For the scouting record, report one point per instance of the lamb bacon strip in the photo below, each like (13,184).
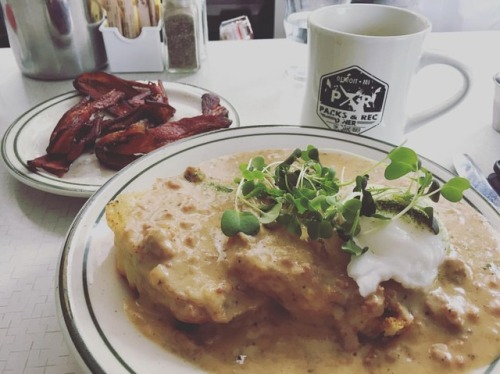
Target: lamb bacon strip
(135,93)
(77,129)
(119,148)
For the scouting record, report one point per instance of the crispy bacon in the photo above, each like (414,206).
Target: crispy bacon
(76,129)
(76,123)
(119,148)
(54,164)
(99,83)
(123,119)
(210,105)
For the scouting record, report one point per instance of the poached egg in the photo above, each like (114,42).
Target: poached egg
(398,249)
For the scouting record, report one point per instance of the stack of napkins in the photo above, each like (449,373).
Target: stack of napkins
(130,16)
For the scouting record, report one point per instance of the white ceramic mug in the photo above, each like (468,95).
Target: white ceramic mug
(362,58)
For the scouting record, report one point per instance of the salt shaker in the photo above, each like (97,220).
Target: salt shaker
(182,29)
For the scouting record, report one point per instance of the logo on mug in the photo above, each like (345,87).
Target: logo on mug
(351,100)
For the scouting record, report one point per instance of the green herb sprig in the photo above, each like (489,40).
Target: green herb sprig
(304,196)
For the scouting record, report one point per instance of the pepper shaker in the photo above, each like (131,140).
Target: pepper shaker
(182,29)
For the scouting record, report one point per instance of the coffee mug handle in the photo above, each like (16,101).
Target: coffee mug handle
(430,58)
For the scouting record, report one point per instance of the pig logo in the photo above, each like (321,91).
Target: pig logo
(351,100)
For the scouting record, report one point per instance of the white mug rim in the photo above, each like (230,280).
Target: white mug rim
(314,21)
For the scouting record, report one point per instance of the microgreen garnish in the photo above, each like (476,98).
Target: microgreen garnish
(405,163)
(236,221)
(305,197)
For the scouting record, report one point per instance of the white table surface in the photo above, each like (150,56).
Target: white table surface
(251,76)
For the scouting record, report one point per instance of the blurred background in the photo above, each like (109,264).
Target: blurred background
(266,16)
(4,41)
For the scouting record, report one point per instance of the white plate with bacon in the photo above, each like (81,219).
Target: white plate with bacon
(29,136)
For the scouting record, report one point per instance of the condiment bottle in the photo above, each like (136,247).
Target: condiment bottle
(494,178)
(182,29)
(203,19)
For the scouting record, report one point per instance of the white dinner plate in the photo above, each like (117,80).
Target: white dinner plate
(90,292)
(28,138)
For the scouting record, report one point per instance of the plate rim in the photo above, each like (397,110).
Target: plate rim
(115,185)
(48,183)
